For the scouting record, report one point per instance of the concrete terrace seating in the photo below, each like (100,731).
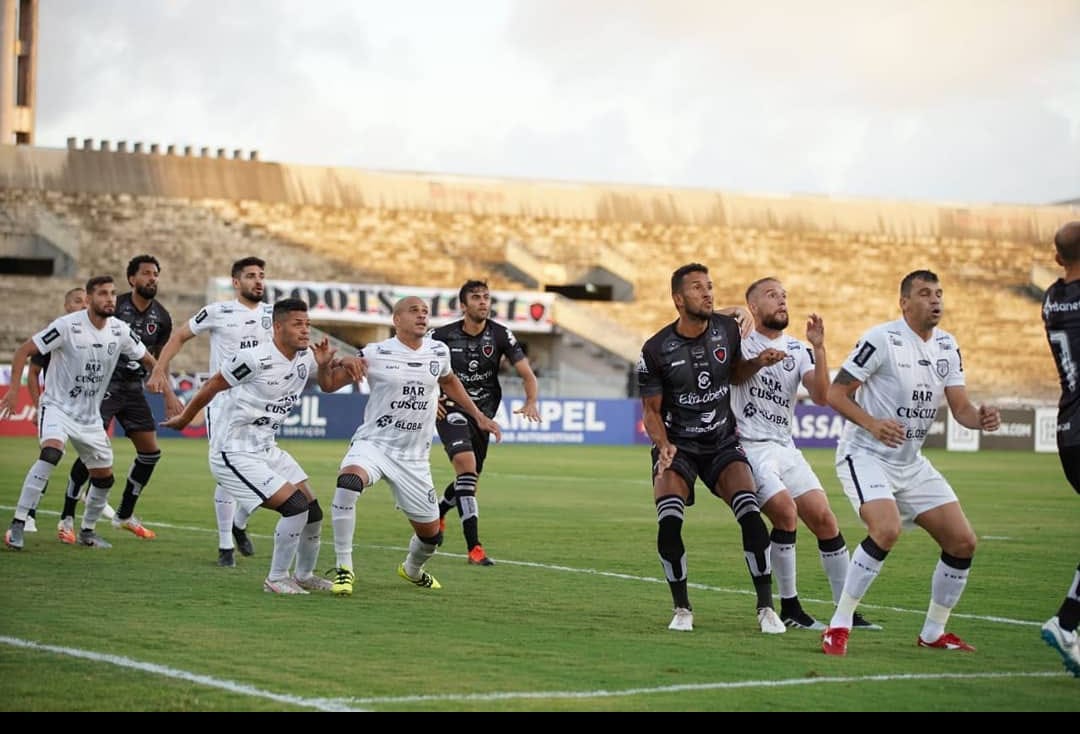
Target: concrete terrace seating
(850,278)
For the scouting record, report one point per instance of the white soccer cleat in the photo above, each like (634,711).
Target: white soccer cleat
(683,621)
(282,586)
(1065,642)
(313,583)
(770,622)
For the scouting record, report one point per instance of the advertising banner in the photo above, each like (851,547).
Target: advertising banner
(610,422)
(524,311)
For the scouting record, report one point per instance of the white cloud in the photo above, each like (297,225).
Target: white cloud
(964,100)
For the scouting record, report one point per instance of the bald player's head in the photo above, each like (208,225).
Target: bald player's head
(75,300)
(1067,243)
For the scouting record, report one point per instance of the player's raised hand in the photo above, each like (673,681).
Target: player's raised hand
(323,352)
(530,410)
(815,330)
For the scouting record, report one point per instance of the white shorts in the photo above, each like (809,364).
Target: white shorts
(409,479)
(90,440)
(250,477)
(916,487)
(777,467)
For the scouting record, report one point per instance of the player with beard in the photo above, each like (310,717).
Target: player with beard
(86,346)
(787,488)
(889,390)
(125,400)
(241,323)
(477,345)
(685,374)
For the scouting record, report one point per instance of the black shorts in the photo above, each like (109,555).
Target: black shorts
(1070,462)
(127,403)
(690,465)
(459,433)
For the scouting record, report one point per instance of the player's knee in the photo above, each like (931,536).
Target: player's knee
(435,540)
(51,455)
(314,512)
(782,537)
(831,545)
(744,504)
(148,457)
(350,481)
(103,482)
(296,504)
(960,563)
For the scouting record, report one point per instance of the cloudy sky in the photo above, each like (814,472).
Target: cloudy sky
(942,100)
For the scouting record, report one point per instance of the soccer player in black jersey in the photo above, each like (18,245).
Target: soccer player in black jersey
(1061,317)
(685,374)
(125,399)
(477,346)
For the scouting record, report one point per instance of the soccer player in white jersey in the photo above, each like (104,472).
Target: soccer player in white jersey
(85,347)
(259,386)
(393,442)
(787,488)
(232,325)
(889,389)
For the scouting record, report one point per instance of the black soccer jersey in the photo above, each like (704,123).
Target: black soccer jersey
(1061,317)
(694,378)
(152,326)
(475,359)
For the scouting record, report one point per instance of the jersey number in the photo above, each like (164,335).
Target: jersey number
(1059,342)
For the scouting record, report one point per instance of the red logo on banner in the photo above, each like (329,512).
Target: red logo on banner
(536,310)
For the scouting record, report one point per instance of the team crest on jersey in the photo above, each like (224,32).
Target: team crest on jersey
(721,354)
(433,366)
(789,363)
(301,371)
(266,322)
(112,348)
(942,367)
(488,350)
(151,328)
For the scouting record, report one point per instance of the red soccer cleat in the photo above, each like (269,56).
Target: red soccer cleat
(947,641)
(834,640)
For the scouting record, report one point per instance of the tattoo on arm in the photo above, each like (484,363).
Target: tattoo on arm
(843,377)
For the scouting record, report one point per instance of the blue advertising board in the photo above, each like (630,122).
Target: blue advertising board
(610,422)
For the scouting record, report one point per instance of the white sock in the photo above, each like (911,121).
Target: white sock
(224,510)
(945,589)
(783,568)
(419,553)
(33,485)
(862,570)
(286,539)
(343,518)
(835,564)
(307,554)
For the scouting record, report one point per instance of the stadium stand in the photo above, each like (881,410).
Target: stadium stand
(88,211)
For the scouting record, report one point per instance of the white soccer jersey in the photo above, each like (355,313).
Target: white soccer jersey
(764,405)
(233,326)
(904,378)
(400,412)
(82,362)
(265,387)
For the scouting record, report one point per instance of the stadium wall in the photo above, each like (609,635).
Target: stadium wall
(197,177)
